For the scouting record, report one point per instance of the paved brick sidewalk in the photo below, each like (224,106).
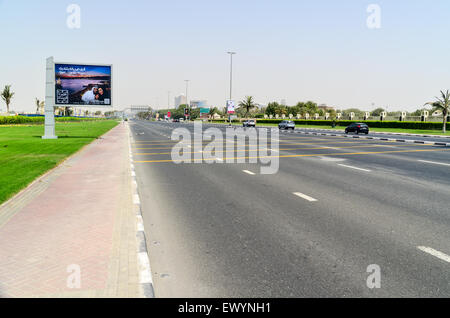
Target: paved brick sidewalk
(80,215)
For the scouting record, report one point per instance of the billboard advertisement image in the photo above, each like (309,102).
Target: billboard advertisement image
(230,107)
(82,85)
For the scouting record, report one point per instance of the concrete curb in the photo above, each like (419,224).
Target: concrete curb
(384,133)
(145,272)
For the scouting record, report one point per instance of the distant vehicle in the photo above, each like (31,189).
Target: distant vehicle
(176,120)
(286,124)
(249,123)
(357,128)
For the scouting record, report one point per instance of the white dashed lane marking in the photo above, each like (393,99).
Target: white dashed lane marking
(304,196)
(435,253)
(356,168)
(435,163)
(249,172)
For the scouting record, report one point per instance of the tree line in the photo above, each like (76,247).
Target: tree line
(247,107)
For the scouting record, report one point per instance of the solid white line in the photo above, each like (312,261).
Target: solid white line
(136,199)
(435,253)
(219,159)
(304,196)
(133,174)
(356,168)
(436,163)
(248,172)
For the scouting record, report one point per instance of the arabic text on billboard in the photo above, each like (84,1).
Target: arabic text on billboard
(82,85)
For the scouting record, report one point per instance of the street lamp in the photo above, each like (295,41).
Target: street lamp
(187,103)
(168,100)
(231,79)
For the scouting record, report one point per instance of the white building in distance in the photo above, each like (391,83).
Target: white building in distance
(180,100)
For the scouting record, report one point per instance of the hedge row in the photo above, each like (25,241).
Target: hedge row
(15,120)
(370,123)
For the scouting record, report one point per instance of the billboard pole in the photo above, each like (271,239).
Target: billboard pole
(50,100)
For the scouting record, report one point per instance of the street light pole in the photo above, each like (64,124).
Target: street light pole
(231,79)
(187,103)
(168,100)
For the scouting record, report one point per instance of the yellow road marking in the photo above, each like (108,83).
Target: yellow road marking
(162,143)
(310,155)
(291,144)
(285,149)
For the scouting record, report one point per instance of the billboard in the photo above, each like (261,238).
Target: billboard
(230,107)
(82,85)
(199,104)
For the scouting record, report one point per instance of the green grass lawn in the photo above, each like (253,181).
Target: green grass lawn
(24,156)
(394,130)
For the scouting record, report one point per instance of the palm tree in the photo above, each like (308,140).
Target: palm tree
(248,104)
(442,104)
(7,95)
(39,105)
(212,111)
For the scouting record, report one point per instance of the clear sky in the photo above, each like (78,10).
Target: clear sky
(320,50)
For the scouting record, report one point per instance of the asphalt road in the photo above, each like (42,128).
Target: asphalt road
(336,206)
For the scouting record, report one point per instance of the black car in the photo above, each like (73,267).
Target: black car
(249,123)
(357,128)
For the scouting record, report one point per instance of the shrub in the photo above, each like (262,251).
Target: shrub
(16,120)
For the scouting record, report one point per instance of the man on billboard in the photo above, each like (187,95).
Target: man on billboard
(89,96)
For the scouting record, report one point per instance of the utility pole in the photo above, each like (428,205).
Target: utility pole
(187,103)
(231,80)
(168,100)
